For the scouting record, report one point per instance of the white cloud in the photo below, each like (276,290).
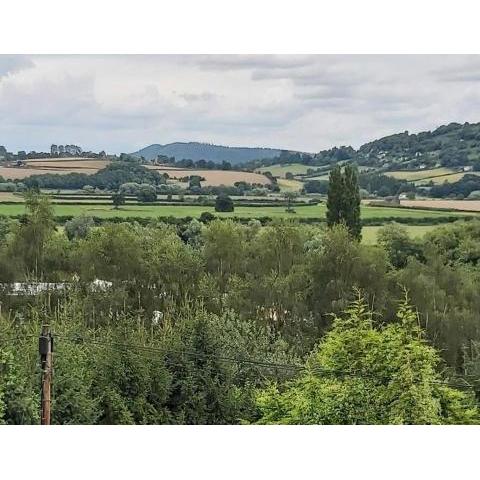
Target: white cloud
(13,63)
(305,102)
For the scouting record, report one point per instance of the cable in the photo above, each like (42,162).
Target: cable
(245,361)
(298,368)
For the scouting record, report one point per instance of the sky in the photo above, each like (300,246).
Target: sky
(120,103)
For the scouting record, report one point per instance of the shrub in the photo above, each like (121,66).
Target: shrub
(78,227)
(224,203)
(206,217)
(7,187)
(146,193)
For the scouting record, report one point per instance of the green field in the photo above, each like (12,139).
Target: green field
(369,233)
(289,185)
(435,175)
(452,178)
(313,211)
(412,176)
(319,177)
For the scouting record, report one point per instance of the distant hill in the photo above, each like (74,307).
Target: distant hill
(452,146)
(203,151)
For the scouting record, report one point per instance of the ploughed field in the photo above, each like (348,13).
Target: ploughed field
(463,205)
(61,166)
(90,166)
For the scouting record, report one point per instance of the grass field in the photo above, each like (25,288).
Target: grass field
(435,175)
(289,185)
(325,176)
(452,178)
(412,176)
(10,197)
(309,211)
(369,233)
(281,170)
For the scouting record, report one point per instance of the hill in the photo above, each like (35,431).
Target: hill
(204,151)
(454,145)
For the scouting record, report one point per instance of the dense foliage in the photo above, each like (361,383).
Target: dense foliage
(363,372)
(450,145)
(220,322)
(224,203)
(111,178)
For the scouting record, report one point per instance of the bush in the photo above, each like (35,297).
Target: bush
(146,193)
(224,203)
(475,195)
(118,199)
(8,187)
(206,217)
(78,227)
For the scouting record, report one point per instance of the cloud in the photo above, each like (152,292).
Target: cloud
(10,64)
(247,62)
(461,68)
(305,102)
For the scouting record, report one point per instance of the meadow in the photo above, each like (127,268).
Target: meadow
(436,176)
(179,211)
(289,185)
(414,175)
(369,233)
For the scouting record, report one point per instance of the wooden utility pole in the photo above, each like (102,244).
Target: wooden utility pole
(45,348)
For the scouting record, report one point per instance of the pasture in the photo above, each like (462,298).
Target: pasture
(435,175)
(413,175)
(369,233)
(151,211)
(289,185)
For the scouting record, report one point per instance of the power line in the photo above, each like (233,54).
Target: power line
(244,360)
(141,350)
(253,362)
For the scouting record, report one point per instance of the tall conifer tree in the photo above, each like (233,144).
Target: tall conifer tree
(343,202)
(352,202)
(335,199)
